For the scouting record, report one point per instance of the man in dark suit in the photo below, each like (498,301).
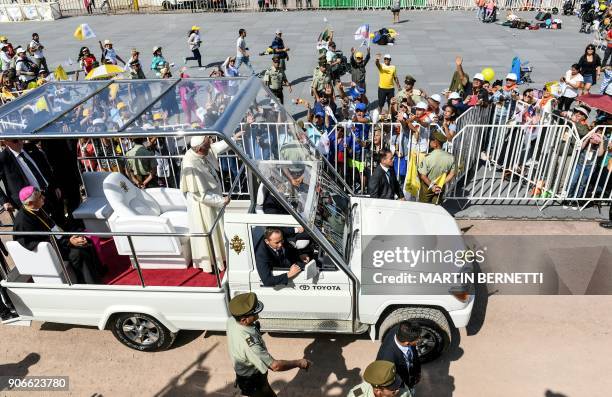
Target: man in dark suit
(272,253)
(76,249)
(383,182)
(18,169)
(399,347)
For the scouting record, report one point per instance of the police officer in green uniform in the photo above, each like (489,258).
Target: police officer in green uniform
(381,380)
(275,78)
(436,170)
(248,351)
(320,78)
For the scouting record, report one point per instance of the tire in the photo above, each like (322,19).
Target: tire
(435,330)
(141,332)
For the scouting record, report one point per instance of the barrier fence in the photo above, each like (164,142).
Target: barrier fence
(84,7)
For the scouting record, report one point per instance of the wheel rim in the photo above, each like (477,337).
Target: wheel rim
(427,341)
(141,330)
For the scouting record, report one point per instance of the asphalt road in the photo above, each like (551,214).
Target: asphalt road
(550,346)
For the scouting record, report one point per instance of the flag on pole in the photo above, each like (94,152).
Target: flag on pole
(60,73)
(84,32)
(363,32)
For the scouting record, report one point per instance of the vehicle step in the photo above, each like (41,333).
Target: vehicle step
(18,322)
(293,325)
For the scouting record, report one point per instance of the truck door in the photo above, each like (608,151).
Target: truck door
(324,297)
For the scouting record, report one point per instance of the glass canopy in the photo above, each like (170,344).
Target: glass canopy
(262,133)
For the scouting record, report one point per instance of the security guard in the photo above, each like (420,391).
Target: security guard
(248,350)
(321,76)
(436,170)
(381,380)
(275,78)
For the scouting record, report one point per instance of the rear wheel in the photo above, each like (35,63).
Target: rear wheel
(435,330)
(141,332)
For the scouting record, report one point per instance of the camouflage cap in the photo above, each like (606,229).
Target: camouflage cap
(382,374)
(245,305)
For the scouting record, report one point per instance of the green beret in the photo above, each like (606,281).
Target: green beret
(245,305)
(438,136)
(382,374)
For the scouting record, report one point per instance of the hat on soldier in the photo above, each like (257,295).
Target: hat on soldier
(245,305)
(276,57)
(382,374)
(439,136)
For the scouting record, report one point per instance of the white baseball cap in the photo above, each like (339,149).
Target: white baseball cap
(511,76)
(421,105)
(97,121)
(107,41)
(436,97)
(454,95)
(20,50)
(278,31)
(479,76)
(196,140)
(387,56)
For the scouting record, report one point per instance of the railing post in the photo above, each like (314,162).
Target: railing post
(136,261)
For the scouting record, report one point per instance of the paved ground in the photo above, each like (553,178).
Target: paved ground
(426,47)
(549,346)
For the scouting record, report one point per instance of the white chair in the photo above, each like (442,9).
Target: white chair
(95,210)
(157,210)
(42,264)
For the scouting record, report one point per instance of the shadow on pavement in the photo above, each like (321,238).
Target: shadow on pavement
(191,381)
(63,327)
(185,337)
(435,375)
(301,80)
(326,354)
(550,393)
(20,369)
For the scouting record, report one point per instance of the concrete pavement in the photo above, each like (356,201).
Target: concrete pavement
(549,346)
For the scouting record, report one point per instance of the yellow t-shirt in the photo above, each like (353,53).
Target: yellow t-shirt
(386,75)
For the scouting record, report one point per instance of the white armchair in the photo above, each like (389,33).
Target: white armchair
(157,210)
(95,210)
(42,264)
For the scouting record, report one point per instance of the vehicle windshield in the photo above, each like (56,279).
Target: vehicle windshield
(281,151)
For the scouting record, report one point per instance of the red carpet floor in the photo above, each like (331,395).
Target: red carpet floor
(120,272)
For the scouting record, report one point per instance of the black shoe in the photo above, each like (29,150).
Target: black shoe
(606,225)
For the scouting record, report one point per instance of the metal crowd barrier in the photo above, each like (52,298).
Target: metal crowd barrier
(85,7)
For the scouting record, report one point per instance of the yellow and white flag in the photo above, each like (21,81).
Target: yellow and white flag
(60,73)
(84,32)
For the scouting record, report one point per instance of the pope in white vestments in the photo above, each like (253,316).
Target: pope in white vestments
(201,183)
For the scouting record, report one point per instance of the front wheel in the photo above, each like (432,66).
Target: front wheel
(435,331)
(141,332)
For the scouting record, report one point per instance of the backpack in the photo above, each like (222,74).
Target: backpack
(382,37)
(542,16)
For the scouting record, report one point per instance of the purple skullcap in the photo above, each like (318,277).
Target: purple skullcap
(26,193)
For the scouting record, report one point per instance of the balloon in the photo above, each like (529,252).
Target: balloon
(488,73)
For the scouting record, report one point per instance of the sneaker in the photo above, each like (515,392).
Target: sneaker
(202,68)
(184,61)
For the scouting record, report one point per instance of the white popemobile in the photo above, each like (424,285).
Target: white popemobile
(143,236)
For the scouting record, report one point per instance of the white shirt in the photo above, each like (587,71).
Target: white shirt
(6,60)
(194,41)
(111,55)
(571,92)
(240,45)
(26,169)
(406,352)
(38,53)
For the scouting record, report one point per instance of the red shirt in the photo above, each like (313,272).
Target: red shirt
(609,38)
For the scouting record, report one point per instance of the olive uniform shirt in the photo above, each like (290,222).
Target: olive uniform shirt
(274,78)
(319,80)
(247,349)
(365,390)
(140,166)
(436,163)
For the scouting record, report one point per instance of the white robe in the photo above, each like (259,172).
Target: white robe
(203,188)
